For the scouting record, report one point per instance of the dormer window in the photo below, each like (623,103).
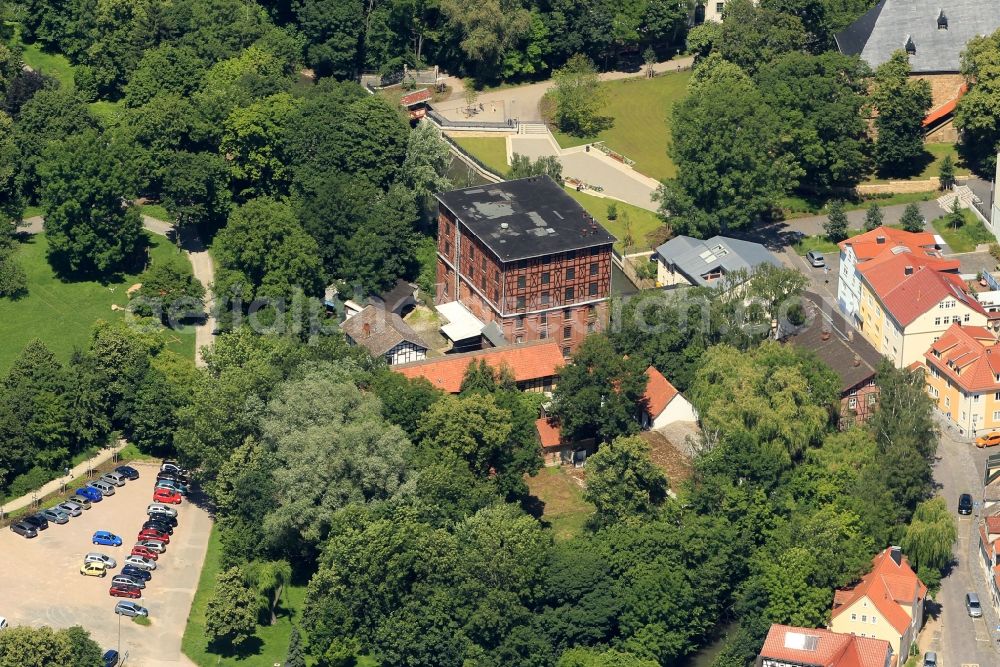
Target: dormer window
(942,21)
(911,48)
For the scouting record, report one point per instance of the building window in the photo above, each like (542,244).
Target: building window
(543,334)
(975,398)
(482,263)
(854,617)
(593,268)
(592,289)
(996,415)
(966,318)
(519,339)
(871,400)
(482,283)
(545,278)
(852,403)
(472,253)
(864,618)
(519,322)
(947,401)
(543,319)
(545,298)
(447,247)
(937,321)
(567,332)
(591,327)
(874,619)
(520,282)
(719,6)
(570,273)
(569,294)
(520,302)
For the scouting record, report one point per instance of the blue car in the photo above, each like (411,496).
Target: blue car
(90,493)
(110,658)
(136,573)
(107,539)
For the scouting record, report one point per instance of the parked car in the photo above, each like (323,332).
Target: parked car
(160,508)
(128,471)
(816,259)
(3,623)
(24,529)
(157,524)
(103,487)
(136,572)
(139,561)
(172,466)
(121,591)
(139,550)
(114,478)
(93,569)
(164,519)
(126,580)
(71,508)
(989,439)
(106,538)
(972,605)
(110,658)
(153,534)
(930,659)
(90,493)
(167,496)
(37,520)
(175,476)
(172,485)
(82,501)
(965,503)
(126,608)
(56,516)
(153,545)
(95,557)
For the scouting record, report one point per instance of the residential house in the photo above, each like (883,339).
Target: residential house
(887,603)
(787,646)
(708,10)
(526,256)
(933,33)
(963,378)
(384,334)
(989,554)
(684,260)
(866,247)
(832,339)
(991,483)
(533,365)
(908,301)
(663,404)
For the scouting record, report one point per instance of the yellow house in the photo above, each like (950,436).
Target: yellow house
(907,302)
(963,378)
(887,603)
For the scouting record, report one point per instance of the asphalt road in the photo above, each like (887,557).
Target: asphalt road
(963,641)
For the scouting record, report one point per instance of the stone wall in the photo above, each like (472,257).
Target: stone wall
(944,87)
(899,187)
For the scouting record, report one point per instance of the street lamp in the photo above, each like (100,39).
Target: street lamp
(119,634)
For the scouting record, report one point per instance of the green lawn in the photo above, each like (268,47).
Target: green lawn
(62,314)
(270,643)
(106,111)
(794,206)
(641,111)
(156,211)
(565,511)
(491,151)
(55,65)
(965,238)
(934,155)
(644,223)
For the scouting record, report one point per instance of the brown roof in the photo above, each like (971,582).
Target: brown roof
(967,357)
(531,361)
(659,392)
(416,97)
(872,244)
(822,648)
(549,433)
(378,331)
(889,586)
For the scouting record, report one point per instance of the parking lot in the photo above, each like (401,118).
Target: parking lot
(41,582)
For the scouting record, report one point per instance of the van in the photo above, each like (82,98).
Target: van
(972,605)
(103,487)
(115,478)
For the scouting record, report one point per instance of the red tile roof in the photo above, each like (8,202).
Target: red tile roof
(945,109)
(659,392)
(532,361)
(415,97)
(967,357)
(993,524)
(822,648)
(889,587)
(549,433)
(911,296)
(872,244)
(889,268)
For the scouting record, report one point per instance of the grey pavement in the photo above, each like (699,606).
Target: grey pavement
(813,225)
(963,640)
(975,262)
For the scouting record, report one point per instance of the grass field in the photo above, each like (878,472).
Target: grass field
(966,237)
(565,511)
(934,155)
(641,110)
(644,223)
(491,151)
(793,206)
(55,65)
(62,314)
(156,211)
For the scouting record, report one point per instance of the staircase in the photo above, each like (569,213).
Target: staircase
(962,193)
(532,128)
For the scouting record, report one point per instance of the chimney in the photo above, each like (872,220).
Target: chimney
(366,329)
(896,554)
(942,21)
(880,239)
(825,335)
(908,271)
(857,360)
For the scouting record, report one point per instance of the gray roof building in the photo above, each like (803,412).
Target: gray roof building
(704,262)
(934,32)
(379,331)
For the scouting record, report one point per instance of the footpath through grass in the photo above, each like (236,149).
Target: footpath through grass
(965,238)
(641,109)
(644,224)
(62,314)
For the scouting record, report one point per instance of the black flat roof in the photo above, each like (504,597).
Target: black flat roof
(525,218)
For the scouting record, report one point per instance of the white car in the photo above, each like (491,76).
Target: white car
(94,557)
(160,508)
(140,562)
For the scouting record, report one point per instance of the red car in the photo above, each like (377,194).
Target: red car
(144,552)
(166,496)
(121,591)
(153,534)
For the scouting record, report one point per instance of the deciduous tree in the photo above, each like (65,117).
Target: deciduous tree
(902,103)
(579,98)
(836,222)
(623,483)
(231,614)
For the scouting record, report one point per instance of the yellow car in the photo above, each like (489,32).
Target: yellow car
(94,569)
(988,440)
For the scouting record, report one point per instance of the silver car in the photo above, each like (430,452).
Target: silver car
(95,557)
(55,515)
(113,478)
(141,563)
(816,258)
(153,545)
(125,580)
(104,487)
(129,608)
(81,501)
(70,508)
(160,508)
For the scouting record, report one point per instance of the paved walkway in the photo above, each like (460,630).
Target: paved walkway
(56,484)
(201,266)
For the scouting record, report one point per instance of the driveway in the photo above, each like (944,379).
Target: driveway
(42,585)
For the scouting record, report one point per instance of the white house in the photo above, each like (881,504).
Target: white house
(663,404)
